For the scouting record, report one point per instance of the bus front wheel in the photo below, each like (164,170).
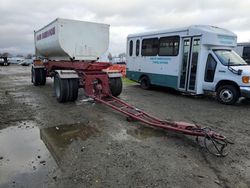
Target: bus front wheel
(227,94)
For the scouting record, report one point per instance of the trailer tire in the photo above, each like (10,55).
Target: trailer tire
(73,89)
(38,76)
(42,73)
(227,94)
(35,77)
(115,85)
(145,83)
(61,87)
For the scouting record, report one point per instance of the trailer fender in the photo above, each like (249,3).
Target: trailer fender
(114,74)
(37,66)
(67,74)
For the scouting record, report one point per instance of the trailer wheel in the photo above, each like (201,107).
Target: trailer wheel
(61,88)
(227,94)
(35,77)
(42,73)
(73,89)
(145,82)
(115,85)
(38,76)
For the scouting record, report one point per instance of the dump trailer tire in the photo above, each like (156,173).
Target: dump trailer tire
(61,87)
(227,94)
(35,77)
(42,73)
(38,76)
(73,89)
(115,85)
(145,83)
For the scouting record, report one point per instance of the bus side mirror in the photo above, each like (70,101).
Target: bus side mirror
(239,72)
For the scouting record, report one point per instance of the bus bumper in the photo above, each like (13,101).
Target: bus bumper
(245,92)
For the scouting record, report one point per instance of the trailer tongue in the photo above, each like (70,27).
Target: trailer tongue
(218,142)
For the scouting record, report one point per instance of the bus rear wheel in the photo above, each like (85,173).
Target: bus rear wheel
(227,94)
(145,82)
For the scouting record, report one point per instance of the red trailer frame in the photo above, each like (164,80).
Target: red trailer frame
(96,85)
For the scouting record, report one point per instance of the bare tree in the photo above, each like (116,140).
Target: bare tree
(29,56)
(110,56)
(122,55)
(5,54)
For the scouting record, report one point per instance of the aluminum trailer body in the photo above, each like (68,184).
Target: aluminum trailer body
(65,39)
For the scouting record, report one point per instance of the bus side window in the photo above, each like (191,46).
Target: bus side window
(131,48)
(169,46)
(246,54)
(210,69)
(137,47)
(149,47)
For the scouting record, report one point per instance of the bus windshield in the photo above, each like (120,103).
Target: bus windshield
(229,58)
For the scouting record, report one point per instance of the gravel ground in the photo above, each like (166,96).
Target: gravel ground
(83,144)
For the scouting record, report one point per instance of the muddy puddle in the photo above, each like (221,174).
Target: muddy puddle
(138,134)
(29,156)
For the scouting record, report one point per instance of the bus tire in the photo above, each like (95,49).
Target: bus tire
(227,94)
(145,82)
(61,88)
(115,85)
(73,89)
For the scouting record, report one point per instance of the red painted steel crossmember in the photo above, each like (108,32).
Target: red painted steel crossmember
(94,81)
(75,65)
(219,142)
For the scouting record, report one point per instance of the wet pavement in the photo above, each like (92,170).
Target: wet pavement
(25,160)
(85,144)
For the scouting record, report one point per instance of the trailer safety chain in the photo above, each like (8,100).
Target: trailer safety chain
(217,146)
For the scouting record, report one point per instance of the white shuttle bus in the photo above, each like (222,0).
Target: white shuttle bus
(192,60)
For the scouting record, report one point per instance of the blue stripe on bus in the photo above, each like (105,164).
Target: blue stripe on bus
(155,79)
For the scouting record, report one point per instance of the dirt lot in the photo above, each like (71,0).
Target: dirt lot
(82,144)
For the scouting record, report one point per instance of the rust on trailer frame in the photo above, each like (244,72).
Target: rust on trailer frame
(95,82)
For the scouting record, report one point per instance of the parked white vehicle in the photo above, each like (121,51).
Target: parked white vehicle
(243,49)
(192,60)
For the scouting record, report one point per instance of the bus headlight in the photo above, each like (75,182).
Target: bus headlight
(245,79)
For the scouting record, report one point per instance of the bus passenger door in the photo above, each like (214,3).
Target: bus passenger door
(188,71)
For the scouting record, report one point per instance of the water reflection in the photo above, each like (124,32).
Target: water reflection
(29,156)
(58,138)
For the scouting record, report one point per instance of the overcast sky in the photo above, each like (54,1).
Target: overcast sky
(20,17)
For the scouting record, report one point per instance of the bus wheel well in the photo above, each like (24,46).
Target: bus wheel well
(227,82)
(142,76)
(145,82)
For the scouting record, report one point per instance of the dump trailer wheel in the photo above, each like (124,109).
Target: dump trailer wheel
(227,94)
(38,76)
(61,87)
(42,73)
(115,85)
(145,83)
(73,89)
(35,76)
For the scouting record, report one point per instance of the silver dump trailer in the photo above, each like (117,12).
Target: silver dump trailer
(65,39)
